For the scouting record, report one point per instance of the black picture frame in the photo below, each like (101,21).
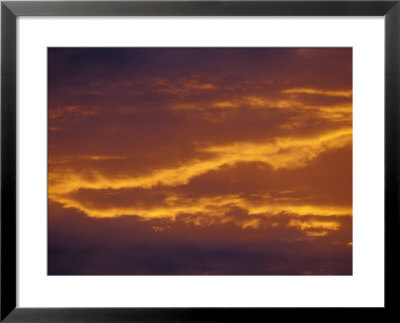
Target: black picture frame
(10,10)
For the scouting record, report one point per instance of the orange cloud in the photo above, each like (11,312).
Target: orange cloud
(279,153)
(94,157)
(315,227)
(216,208)
(253,102)
(72,110)
(346,94)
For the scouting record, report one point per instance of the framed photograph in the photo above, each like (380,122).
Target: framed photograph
(198,160)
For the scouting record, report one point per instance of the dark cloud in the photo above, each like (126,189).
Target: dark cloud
(79,245)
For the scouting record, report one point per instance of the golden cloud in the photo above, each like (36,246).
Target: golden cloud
(346,94)
(279,153)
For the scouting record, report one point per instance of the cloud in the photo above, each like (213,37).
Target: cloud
(346,94)
(79,245)
(73,111)
(281,153)
(200,160)
(171,206)
(102,157)
(321,190)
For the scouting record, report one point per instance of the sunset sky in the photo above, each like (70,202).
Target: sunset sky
(200,161)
